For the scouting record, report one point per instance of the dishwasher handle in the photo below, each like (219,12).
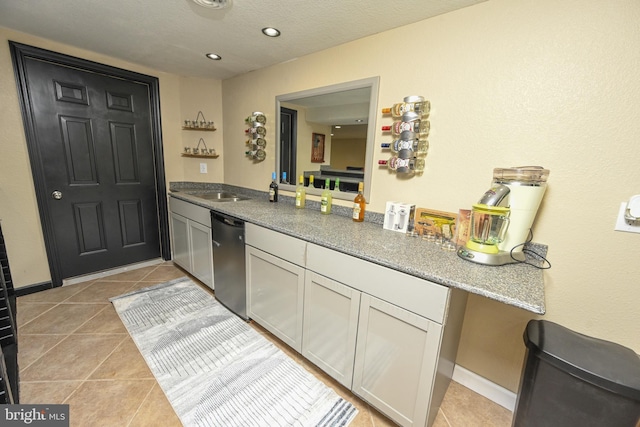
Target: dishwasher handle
(227,220)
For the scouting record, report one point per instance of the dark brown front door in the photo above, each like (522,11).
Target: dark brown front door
(94,141)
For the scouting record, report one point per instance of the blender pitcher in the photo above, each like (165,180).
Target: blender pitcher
(488,227)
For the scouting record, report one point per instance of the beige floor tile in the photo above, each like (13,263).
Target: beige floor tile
(106,321)
(107,402)
(32,347)
(27,311)
(59,294)
(463,407)
(101,291)
(440,421)
(47,392)
(164,273)
(156,411)
(62,319)
(125,362)
(74,358)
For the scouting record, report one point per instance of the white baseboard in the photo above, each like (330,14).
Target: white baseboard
(484,387)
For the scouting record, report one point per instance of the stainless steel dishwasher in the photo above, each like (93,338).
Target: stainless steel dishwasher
(228,263)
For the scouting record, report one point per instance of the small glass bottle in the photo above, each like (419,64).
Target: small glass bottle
(336,185)
(284,178)
(408,141)
(412,165)
(397,110)
(256,117)
(301,193)
(273,188)
(326,198)
(359,204)
(256,130)
(409,122)
(311,184)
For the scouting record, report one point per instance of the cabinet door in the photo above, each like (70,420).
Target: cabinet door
(330,326)
(276,290)
(395,361)
(180,240)
(201,253)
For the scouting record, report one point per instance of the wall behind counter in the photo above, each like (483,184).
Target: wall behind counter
(511,83)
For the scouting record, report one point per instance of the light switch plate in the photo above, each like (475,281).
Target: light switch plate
(203,168)
(622,225)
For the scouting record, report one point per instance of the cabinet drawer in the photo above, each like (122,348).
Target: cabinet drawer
(409,292)
(191,211)
(278,244)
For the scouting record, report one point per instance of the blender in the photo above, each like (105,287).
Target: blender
(501,220)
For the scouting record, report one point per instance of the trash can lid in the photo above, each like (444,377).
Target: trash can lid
(602,363)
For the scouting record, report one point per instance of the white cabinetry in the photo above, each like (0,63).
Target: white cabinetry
(395,360)
(275,283)
(330,326)
(191,239)
(390,337)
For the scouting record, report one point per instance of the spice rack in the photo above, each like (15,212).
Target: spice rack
(256,133)
(410,130)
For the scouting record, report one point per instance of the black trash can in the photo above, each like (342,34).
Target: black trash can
(570,379)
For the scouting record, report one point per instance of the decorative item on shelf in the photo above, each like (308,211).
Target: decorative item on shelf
(256,133)
(410,130)
(198,151)
(200,123)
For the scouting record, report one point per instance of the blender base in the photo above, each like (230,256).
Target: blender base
(501,258)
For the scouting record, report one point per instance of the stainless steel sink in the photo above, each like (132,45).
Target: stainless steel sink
(221,196)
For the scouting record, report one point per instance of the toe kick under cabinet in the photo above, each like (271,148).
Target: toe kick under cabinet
(389,337)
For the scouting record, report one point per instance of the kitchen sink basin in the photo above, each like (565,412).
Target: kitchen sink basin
(221,196)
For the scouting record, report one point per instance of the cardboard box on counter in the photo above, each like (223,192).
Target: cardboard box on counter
(398,216)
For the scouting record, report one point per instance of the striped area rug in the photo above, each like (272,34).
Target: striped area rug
(218,371)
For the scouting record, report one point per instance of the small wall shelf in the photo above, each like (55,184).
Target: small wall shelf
(205,156)
(198,128)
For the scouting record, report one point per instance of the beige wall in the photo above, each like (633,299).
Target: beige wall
(180,98)
(511,82)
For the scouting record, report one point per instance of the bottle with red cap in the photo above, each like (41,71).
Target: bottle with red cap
(412,165)
(408,141)
(411,122)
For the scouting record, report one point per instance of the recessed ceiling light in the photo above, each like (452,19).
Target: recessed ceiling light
(214,56)
(213,4)
(338,127)
(271,32)
(359,120)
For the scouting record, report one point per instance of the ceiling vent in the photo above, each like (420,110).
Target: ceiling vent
(213,4)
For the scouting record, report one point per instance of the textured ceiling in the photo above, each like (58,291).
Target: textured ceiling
(174,35)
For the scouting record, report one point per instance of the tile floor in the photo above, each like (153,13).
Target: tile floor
(75,350)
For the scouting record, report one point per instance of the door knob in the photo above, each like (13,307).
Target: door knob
(57,195)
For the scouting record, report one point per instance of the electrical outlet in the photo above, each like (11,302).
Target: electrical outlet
(203,168)
(623,225)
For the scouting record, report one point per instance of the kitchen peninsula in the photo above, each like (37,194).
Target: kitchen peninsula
(517,285)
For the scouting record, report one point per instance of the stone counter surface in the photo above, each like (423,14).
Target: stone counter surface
(518,285)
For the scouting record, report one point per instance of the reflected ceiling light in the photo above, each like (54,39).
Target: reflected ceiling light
(271,32)
(213,4)
(214,56)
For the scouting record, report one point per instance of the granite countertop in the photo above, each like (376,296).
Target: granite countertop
(518,285)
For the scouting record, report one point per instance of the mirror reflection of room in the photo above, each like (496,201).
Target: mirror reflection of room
(326,136)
